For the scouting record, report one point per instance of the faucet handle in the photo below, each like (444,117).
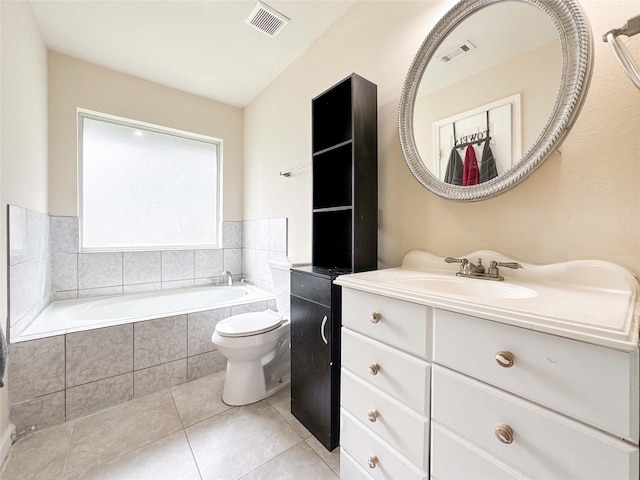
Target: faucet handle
(514,265)
(456,260)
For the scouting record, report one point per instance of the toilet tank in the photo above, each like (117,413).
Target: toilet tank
(280,273)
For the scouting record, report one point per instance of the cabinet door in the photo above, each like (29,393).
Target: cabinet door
(311,361)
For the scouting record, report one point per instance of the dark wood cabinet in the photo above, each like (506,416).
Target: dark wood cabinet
(344,240)
(315,351)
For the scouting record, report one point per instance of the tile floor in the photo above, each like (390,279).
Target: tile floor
(184,432)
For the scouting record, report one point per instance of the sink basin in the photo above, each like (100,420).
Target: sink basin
(468,287)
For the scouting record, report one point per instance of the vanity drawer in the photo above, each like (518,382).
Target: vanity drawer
(404,430)
(544,443)
(401,324)
(594,384)
(349,468)
(402,376)
(452,459)
(372,454)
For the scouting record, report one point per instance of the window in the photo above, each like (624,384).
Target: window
(144,187)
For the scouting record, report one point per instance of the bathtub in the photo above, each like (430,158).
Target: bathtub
(67,316)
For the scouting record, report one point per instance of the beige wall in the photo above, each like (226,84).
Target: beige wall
(582,203)
(23,117)
(74,83)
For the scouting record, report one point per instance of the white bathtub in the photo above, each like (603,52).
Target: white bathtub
(67,316)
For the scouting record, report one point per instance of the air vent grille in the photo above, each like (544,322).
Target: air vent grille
(266,19)
(457,51)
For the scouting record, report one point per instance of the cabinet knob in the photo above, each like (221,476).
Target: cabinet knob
(505,359)
(375,317)
(372,461)
(504,433)
(374,368)
(373,415)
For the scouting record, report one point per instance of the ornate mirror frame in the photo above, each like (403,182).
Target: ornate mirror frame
(577,64)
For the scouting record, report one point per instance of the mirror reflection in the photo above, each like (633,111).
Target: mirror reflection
(487,93)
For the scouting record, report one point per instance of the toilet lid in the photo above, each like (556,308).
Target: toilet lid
(247,324)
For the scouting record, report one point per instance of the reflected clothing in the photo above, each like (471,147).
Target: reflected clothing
(470,171)
(488,169)
(453,174)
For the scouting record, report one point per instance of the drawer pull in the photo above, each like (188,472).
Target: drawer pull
(373,415)
(504,433)
(374,368)
(322,327)
(505,359)
(375,317)
(372,461)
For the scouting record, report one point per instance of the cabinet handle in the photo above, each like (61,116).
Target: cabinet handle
(324,336)
(374,368)
(372,461)
(505,359)
(504,433)
(375,317)
(373,415)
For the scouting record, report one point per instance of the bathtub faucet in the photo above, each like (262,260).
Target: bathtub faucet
(227,274)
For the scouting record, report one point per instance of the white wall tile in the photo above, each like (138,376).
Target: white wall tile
(100,291)
(232,234)
(233,260)
(38,237)
(209,263)
(142,287)
(249,234)
(17,235)
(64,271)
(262,235)
(177,265)
(99,270)
(278,235)
(178,284)
(64,234)
(142,267)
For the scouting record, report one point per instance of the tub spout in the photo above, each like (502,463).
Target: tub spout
(227,274)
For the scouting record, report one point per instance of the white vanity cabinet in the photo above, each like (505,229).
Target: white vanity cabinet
(385,387)
(430,390)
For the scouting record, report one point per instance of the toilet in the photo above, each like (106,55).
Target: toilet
(256,346)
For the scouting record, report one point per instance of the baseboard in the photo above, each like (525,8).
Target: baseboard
(5,441)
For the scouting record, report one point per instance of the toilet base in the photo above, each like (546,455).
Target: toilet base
(243,385)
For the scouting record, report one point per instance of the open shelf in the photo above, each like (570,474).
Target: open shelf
(333,244)
(333,177)
(331,114)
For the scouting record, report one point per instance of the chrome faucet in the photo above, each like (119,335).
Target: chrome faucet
(469,269)
(227,274)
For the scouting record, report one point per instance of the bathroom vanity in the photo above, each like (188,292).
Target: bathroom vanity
(535,376)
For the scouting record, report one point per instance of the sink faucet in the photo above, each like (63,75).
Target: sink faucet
(227,274)
(469,269)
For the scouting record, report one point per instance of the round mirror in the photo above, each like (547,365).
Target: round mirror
(492,92)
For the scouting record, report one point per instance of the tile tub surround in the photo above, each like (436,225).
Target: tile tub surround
(29,264)
(63,377)
(171,434)
(263,241)
(80,275)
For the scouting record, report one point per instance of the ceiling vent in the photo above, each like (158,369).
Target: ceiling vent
(266,19)
(457,51)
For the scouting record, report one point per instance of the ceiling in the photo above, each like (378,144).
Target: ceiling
(200,47)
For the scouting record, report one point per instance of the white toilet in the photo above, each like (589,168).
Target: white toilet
(257,347)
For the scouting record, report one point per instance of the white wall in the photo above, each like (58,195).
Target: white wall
(23,150)
(583,203)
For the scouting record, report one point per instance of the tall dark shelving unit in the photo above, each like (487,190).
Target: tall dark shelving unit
(344,240)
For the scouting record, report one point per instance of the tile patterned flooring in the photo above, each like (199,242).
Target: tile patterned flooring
(184,432)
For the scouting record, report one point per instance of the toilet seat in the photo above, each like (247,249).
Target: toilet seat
(248,324)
